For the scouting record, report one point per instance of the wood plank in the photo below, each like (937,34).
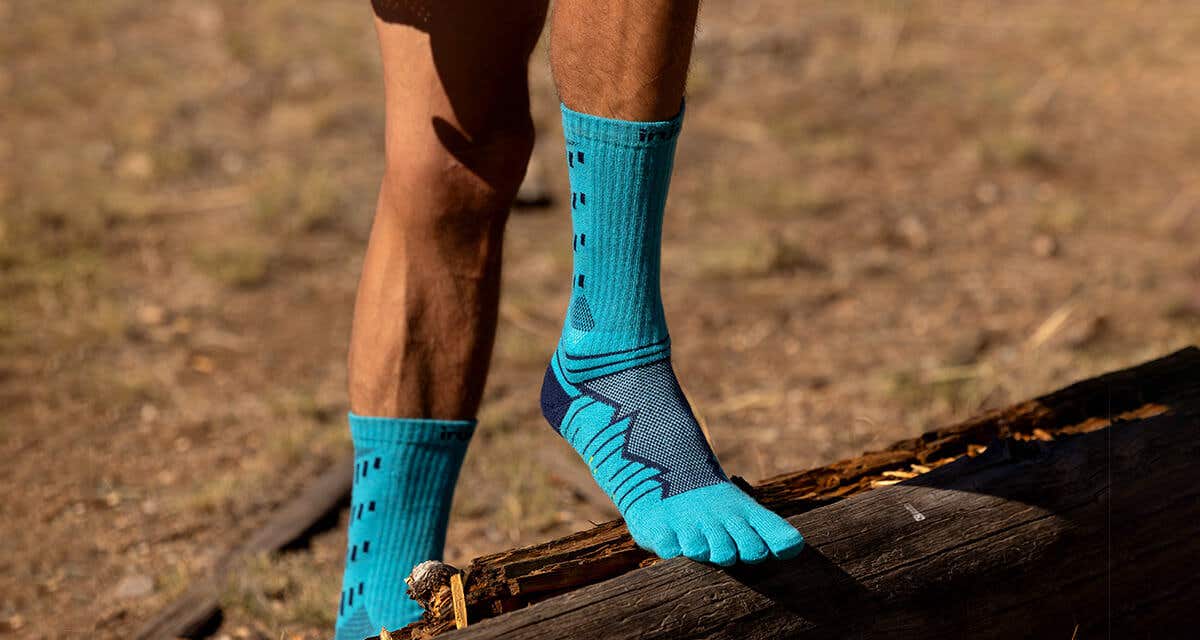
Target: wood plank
(191,613)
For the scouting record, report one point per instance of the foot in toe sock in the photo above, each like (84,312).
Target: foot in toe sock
(610,389)
(645,449)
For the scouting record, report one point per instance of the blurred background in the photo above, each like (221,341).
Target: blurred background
(886,216)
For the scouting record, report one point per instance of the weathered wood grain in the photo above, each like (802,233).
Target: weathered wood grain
(1096,534)
(514,579)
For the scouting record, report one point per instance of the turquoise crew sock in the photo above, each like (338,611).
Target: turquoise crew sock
(404,476)
(610,389)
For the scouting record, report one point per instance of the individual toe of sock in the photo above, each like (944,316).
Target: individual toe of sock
(692,542)
(751,548)
(722,550)
(781,537)
(662,543)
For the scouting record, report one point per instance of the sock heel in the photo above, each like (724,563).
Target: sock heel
(555,400)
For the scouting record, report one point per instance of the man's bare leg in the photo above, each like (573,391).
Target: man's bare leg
(459,135)
(610,389)
(623,59)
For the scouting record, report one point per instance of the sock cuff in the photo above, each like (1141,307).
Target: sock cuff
(623,133)
(409,430)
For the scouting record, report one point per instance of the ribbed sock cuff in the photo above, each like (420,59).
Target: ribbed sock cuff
(409,430)
(404,477)
(626,133)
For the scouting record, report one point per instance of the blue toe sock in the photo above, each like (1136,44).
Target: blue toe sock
(610,389)
(404,476)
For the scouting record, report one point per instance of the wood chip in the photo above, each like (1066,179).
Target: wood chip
(460,601)
(884,483)
(1050,326)
(920,468)
(900,474)
(383,634)
(203,364)
(1042,435)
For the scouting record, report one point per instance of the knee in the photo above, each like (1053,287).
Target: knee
(455,182)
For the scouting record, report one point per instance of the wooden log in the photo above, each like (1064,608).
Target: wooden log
(192,613)
(1091,535)
(514,579)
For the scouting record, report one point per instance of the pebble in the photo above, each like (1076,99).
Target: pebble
(135,585)
(1045,245)
(913,232)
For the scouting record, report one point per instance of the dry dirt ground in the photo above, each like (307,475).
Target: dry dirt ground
(886,216)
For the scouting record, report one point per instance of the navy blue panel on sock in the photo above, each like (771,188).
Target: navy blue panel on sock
(555,400)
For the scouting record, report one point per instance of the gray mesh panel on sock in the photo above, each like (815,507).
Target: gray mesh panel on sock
(663,432)
(581,314)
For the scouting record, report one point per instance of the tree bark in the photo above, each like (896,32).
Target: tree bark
(1084,514)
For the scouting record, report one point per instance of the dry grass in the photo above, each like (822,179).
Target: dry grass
(856,251)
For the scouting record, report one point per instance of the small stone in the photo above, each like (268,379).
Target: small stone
(134,586)
(149,413)
(151,315)
(1045,245)
(136,165)
(1086,333)
(203,364)
(913,232)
